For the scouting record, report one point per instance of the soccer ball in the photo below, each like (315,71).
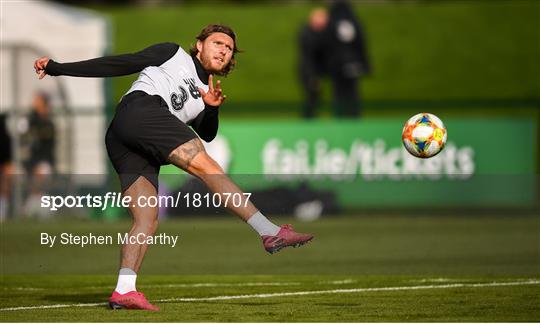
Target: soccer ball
(424,135)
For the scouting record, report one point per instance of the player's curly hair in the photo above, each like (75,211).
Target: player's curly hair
(215,28)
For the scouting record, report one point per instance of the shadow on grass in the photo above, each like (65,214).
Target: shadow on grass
(68,298)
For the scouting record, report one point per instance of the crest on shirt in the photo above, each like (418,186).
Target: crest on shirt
(179,99)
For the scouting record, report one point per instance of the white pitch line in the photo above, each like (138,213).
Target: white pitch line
(208,284)
(246,284)
(352,290)
(297,293)
(338,282)
(52,306)
(436,280)
(22,288)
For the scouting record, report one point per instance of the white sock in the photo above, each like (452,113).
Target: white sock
(262,225)
(126,281)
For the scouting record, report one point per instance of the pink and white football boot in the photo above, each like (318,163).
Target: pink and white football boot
(284,238)
(130,300)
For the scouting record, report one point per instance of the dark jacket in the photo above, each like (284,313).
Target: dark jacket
(346,51)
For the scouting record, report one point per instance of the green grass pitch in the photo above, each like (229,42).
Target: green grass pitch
(370,268)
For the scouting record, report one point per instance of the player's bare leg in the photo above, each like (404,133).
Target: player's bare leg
(192,157)
(145,221)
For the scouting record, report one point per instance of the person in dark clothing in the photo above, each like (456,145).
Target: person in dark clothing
(41,138)
(41,135)
(347,59)
(7,167)
(156,123)
(5,141)
(312,41)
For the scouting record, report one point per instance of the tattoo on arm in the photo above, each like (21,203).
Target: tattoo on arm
(185,153)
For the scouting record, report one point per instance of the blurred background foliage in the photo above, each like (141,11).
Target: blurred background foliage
(457,54)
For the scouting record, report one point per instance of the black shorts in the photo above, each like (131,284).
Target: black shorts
(141,136)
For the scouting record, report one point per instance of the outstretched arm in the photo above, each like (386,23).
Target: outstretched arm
(108,66)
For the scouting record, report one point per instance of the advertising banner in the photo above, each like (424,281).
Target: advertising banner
(486,162)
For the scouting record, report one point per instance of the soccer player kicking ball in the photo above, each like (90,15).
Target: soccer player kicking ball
(150,128)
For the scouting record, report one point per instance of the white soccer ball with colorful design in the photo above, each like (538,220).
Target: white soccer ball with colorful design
(424,135)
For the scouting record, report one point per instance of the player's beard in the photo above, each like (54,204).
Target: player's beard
(206,62)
